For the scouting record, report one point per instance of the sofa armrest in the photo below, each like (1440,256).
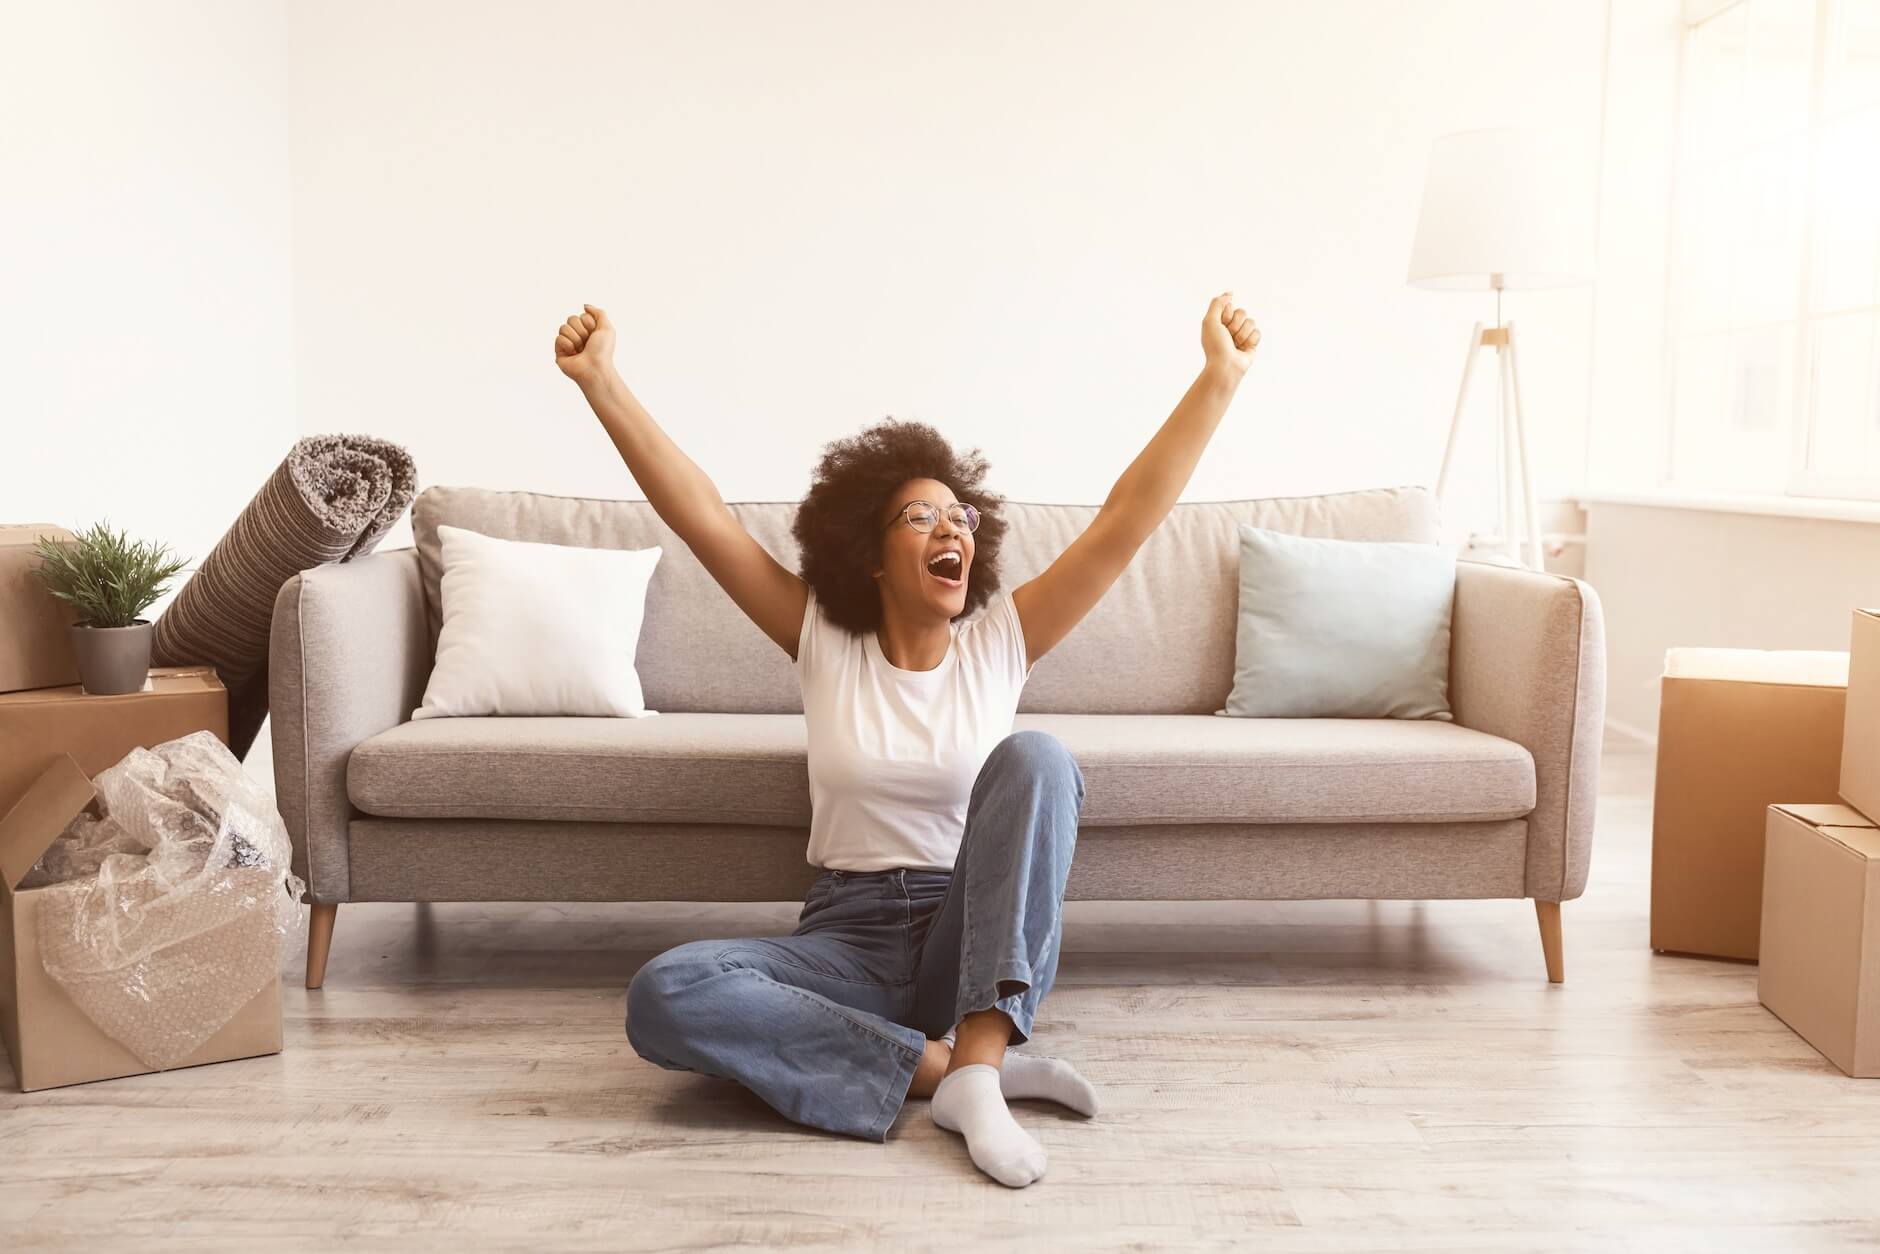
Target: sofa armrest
(349,654)
(1527,662)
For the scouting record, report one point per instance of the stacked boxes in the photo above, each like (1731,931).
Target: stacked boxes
(54,737)
(1821,888)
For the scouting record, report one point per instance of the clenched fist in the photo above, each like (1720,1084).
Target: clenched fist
(1228,335)
(584,345)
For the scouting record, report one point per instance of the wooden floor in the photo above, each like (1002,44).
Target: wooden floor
(1283,1076)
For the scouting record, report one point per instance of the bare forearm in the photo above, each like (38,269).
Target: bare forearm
(1152,484)
(675,487)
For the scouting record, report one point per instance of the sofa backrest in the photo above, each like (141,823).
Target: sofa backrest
(1161,641)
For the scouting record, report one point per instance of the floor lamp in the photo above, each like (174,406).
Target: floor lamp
(1503,208)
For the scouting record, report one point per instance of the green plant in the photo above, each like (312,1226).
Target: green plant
(109,577)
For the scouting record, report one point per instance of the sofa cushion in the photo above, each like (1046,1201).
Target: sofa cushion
(1161,641)
(751,768)
(1176,768)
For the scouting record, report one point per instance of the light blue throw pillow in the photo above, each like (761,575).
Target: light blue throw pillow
(1341,628)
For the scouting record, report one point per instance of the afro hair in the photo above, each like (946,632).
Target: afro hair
(838,524)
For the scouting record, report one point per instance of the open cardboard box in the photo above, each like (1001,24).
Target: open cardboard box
(1821,931)
(52,740)
(50,1039)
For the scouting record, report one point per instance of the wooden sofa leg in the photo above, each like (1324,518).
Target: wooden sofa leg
(319,941)
(1548,912)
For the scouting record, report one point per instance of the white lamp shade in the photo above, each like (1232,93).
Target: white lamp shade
(1512,203)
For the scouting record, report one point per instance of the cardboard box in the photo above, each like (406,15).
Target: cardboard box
(37,727)
(50,1040)
(35,649)
(1860,739)
(1821,931)
(1739,730)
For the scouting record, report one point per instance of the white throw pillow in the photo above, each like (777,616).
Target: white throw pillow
(537,629)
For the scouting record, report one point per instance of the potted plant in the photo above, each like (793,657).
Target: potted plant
(110,579)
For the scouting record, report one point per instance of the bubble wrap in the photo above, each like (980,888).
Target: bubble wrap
(167,913)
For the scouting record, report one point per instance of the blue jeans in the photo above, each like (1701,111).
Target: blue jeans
(828,1024)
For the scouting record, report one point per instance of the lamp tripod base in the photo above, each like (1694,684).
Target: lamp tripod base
(1517,534)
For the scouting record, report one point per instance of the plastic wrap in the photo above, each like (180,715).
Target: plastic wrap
(167,912)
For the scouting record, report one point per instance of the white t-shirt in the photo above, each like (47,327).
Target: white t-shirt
(893,753)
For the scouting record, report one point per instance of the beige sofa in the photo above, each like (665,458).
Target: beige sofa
(710,800)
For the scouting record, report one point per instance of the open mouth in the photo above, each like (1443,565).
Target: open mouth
(947,568)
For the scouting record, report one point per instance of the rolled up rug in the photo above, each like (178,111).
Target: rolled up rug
(332,499)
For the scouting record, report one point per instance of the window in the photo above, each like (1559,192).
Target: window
(1775,328)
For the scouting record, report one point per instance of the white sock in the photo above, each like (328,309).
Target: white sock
(968,1101)
(1041,1076)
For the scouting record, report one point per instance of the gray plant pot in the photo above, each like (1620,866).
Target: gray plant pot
(112,660)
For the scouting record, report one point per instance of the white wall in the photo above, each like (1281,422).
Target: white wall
(146,347)
(1003,219)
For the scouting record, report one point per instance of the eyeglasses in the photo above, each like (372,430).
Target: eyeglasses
(924,516)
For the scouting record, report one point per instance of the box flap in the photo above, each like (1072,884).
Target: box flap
(1844,825)
(1823,668)
(37,818)
(1864,841)
(1826,814)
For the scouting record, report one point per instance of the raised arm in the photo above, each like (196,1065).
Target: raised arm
(679,492)
(1057,600)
